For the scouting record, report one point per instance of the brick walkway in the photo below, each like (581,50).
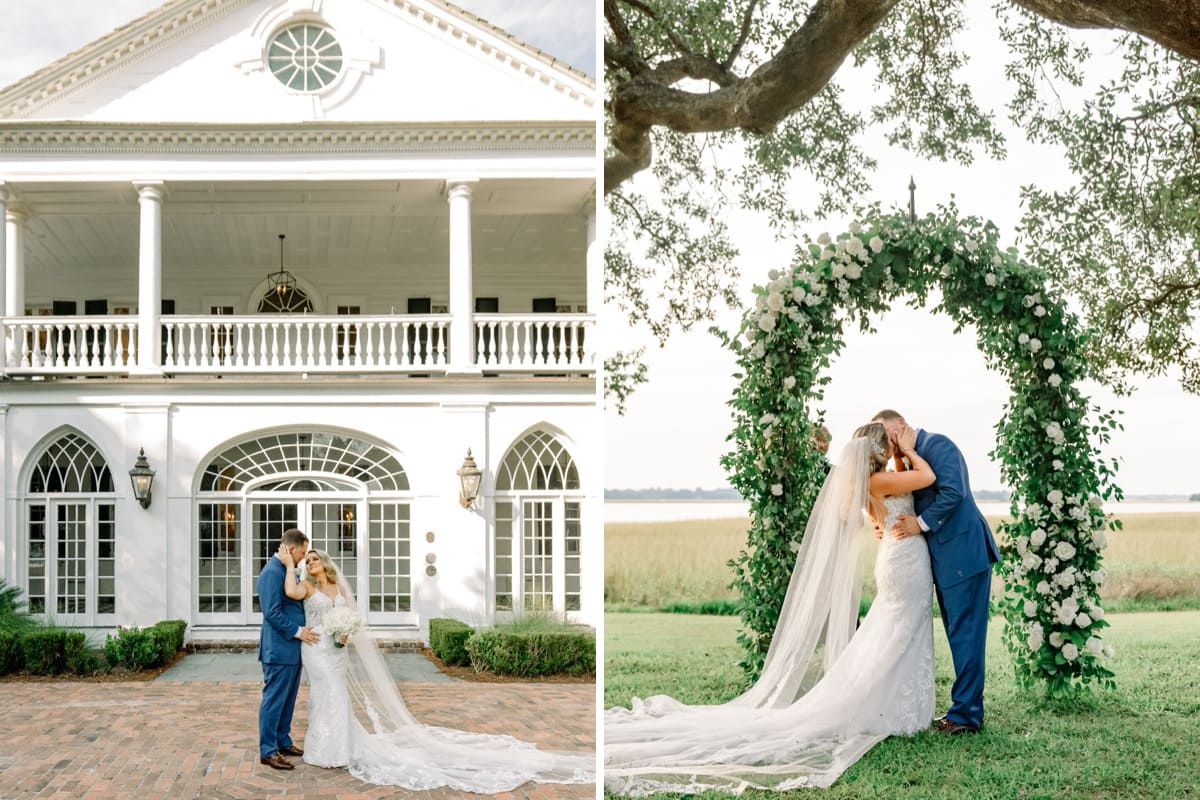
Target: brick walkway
(199,740)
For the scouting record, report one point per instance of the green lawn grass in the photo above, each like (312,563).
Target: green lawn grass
(1140,741)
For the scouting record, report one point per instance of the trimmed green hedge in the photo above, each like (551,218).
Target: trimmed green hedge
(532,654)
(448,640)
(53,651)
(12,656)
(145,648)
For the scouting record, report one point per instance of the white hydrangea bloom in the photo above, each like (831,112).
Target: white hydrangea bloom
(854,246)
(777,489)
(798,294)
(1054,380)
(1048,363)
(990,279)
(853,271)
(1040,311)
(767,322)
(1035,344)
(789,382)
(1023,338)
(775,301)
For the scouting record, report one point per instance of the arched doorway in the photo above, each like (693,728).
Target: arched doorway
(538,528)
(349,495)
(70,533)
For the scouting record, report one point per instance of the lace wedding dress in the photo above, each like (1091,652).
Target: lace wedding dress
(826,694)
(358,720)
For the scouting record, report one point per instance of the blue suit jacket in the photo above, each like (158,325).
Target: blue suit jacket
(282,616)
(960,541)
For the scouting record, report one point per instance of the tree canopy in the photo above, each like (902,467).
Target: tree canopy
(720,104)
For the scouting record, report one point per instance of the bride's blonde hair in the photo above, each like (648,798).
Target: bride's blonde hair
(331,570)
(876,435)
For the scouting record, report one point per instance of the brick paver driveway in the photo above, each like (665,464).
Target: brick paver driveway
(149,740)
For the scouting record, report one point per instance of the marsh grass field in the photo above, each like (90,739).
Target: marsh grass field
(1153,564)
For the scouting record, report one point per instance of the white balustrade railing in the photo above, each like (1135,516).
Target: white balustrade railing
(95,345)
(520,342)
(305,343)
(108,345)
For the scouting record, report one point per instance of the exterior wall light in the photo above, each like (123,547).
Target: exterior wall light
(468,476)
(142,478)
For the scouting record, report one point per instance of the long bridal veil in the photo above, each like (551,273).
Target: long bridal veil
(389,747)
(790,728)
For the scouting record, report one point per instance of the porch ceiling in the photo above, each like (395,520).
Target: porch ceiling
(362,223)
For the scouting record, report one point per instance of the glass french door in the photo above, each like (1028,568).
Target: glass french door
(538,555)
(374,555)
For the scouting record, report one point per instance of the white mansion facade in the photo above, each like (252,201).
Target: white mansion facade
(305,254)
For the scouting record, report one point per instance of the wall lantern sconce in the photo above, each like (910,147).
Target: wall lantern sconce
(142,478)
(468,476)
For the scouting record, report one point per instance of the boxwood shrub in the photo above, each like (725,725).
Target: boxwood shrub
(448,640)
(53,651)
(529,654)
(12,655)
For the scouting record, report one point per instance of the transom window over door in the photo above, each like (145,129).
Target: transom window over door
(71,527)
(538,534)
(349,495)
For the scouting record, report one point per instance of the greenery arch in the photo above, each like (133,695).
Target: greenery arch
(1047,449)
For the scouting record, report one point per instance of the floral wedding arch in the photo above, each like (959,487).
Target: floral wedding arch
(1047,447)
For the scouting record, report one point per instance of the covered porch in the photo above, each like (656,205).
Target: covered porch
(419,275)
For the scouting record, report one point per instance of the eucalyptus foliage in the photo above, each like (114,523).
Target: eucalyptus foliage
(1047,442)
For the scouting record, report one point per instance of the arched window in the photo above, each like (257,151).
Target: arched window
(71,529)
(538,533)
(349,495)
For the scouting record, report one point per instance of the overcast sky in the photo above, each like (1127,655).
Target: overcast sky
(673,433)
(34,33)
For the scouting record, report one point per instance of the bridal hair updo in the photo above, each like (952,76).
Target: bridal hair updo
(876,435)
(331,570)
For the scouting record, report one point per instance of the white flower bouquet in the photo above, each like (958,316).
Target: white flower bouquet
(339,622)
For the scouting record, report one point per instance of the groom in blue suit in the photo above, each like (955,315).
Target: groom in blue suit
(961,553)
(283,630)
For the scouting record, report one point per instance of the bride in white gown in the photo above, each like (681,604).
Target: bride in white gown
(357,719)
(826,694)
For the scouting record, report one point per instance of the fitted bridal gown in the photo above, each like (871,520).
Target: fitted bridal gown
(387,746)
(880,685)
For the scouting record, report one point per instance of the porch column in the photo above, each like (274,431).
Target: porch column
(595,268)
(462,291)
(14,262)
(3,248)
(149,275)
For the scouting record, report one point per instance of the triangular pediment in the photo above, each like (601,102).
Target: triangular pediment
(224,62)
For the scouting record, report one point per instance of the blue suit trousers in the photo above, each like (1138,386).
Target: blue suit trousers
(964,607)
(280,684)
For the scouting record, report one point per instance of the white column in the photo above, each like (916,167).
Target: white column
(149,275)
(3,247)
(14,276)
(595,268)
(14,263)
(462,291)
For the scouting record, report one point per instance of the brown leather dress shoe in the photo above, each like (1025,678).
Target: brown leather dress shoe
(276,762)
(953,728)
(291,750)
